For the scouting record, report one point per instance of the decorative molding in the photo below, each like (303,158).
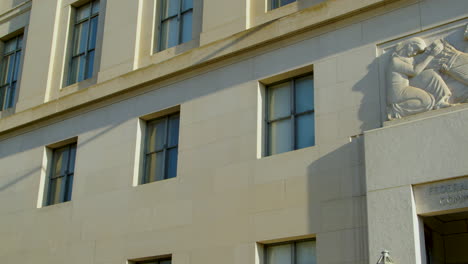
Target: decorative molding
(190,62)
(16,11)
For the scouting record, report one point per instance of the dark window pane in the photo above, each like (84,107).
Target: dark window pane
(159,166)
(157,136)
(170,8)
(186,27)
(20,42)
(9,46)
(69,187)
(163,35)
(279,3)
(304,94)
(5,70)
(187,4)
(80,38)
(169,33)
(17,63)
(165,262)
(84,40)
(81,68)
(154,167)
(280,254)
(73,70)
(95,8)
(173,131)
(280,136)
(285,2)
(55,190)
(2,96)
(10,95)
(90,65)
(150,138)
(60,161)
(83,12)
(93,33)
(61,176)
(71,166)
(63,187)
(171,164)
(161,148)
(10,68)
(305,127)
(305,253)
(150,167)
(279,101)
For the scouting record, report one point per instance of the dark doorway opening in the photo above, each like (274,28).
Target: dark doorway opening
(446,238)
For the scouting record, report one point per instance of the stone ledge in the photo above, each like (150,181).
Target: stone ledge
(425,115)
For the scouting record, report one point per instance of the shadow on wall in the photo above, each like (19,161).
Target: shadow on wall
(241,37)
(31,172)
(372,107)
(17,2)
(337,209)
(35,144)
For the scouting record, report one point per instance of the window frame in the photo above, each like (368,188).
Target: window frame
(180,12)
(8,98)
(146,177)
(74,24)
(68,175)
(292,115)
(293,249)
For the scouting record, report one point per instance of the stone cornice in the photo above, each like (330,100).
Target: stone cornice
(276,30)
(15,11)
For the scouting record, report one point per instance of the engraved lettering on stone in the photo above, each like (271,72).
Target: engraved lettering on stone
(451,193)
(441,196)
(414,81)
(453,199)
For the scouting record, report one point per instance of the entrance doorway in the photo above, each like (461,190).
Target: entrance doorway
(446,238)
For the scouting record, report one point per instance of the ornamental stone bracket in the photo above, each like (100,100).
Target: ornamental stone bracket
(427,73)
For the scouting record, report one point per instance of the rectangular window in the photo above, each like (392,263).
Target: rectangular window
(9,68)
(175,25)
(85,28)
(61,174)
(161,148)
(296,252)
(280,3)
(290,120)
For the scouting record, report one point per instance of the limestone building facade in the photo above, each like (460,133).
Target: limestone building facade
(237,132)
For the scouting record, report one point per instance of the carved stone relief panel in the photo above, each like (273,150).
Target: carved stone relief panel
(424,73)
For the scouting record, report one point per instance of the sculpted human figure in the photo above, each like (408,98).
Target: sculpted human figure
(452,61)
(427,89)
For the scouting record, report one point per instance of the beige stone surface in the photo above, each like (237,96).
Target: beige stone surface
(8,6)
(352,191)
